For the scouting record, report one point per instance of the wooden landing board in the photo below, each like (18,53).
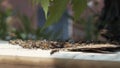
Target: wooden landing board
(33,62)
(13,56)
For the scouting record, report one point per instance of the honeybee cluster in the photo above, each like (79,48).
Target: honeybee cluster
(87,46)
(42,44)
(45,44)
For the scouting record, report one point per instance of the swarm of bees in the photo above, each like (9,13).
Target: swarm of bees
(56,46)
(42,44)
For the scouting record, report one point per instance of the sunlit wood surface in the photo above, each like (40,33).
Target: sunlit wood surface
(32,62)
(13,56)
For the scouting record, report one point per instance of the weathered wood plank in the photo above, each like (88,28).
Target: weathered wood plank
(33,62)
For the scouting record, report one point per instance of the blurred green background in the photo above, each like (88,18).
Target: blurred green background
(76,19)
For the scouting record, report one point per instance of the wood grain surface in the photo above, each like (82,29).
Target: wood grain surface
(35,62)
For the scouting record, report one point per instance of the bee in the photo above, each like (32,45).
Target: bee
(14,42)
(54,51)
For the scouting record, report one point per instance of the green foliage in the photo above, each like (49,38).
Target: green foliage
(3,25)
(44,4)
(56,10)
(57,7)
(78,8)
(53,10)
(26,23)
(26,30)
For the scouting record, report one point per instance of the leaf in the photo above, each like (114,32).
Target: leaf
(45,4)
(56,10)
(78,8)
